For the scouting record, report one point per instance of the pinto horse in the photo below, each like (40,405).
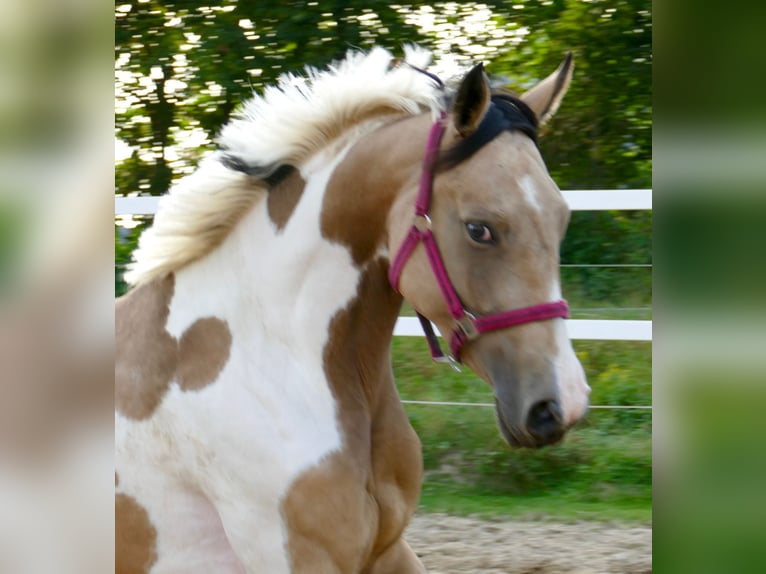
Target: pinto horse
(258,428)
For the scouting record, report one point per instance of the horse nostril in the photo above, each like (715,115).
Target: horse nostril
(544,420)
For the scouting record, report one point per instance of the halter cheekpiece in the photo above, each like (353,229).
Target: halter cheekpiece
(467,326)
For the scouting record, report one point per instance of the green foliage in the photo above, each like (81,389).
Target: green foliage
(221,53)
(125,241)
(607,237)
(620,373)
(204,60)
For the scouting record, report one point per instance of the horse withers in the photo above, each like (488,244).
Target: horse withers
(258,428)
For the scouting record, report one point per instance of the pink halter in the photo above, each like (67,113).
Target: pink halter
(467,326)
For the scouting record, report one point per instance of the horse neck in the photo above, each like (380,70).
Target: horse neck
(305,269)
(373,176)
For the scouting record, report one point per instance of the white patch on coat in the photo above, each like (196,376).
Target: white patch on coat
(573,386)
(527,185)
(240,442)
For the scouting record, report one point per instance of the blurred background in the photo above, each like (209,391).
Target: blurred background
(56,287)
(710,365)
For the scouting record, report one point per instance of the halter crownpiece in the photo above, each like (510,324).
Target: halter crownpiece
(467,326)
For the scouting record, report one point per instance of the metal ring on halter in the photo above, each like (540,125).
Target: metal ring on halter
(467,326)
(422,223)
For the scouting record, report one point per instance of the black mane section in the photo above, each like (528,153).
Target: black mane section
(506,112)
(236,163)
(279,175)
(518,113)
(271,175)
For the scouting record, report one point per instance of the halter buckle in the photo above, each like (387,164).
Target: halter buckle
(467,326)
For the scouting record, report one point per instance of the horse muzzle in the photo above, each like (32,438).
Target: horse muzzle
(537,397)
(542,425)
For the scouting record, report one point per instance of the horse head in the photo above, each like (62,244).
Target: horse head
(490,278)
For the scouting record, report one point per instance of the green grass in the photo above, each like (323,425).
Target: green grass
(602,470)
(465,502)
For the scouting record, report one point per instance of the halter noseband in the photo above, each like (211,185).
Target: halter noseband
(467,325)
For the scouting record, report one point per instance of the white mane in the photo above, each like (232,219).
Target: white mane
(290,122)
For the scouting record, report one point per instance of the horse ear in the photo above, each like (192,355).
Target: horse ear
(471,101)
(545,97)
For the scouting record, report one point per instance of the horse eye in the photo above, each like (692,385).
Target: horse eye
(480,233)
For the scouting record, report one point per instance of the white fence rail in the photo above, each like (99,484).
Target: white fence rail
(579,200)
(608,329)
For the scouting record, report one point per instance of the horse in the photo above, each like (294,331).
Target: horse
(258,427)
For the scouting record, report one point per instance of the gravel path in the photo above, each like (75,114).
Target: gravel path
(457,545)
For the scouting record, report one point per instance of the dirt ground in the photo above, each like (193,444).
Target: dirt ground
(457,545)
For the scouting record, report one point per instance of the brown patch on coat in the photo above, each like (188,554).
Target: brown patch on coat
(330,518)
(373,482)
(146,354)
(135,537)
(378,437)
(204,350)
(362,188)
(148,358)
(371,486)
(284,197)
